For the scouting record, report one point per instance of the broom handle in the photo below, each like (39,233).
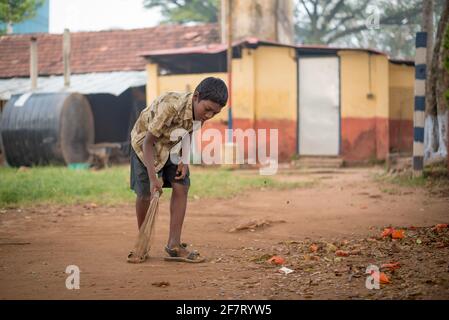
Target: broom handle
(153,206)
(154,201)
(154,198)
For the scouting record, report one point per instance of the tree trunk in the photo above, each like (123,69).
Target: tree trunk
(264,19)
(436,105)
(442,74)
(428,27)
(431,128)
(442,86)
(9,28)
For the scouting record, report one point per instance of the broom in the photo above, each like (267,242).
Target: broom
(146,232)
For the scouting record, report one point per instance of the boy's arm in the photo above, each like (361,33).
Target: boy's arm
(183,167)
(148,157)
(157,126)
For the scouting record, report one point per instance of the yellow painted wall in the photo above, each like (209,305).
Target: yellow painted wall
(265,88)
(276,84)
(381,85)
(357,83)
(401,91)
(243,85)
(265,85)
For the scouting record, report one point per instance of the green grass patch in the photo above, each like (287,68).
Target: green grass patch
(222,183)
(405,180)
(61,185)
(391,191)
(408,181)
(436,176)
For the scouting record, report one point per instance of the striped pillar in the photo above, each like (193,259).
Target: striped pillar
(420,103)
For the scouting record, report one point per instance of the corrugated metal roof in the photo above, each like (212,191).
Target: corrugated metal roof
(205,49)
(105,82)
(211,48)
(403,61)
(250,42)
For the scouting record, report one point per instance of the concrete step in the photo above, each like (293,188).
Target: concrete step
(318,162)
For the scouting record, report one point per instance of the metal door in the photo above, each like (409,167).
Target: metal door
(319,106)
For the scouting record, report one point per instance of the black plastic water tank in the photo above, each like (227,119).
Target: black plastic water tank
(47,128)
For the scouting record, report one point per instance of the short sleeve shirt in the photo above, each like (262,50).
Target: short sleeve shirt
(165,114)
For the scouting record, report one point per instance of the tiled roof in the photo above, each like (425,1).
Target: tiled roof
(102,51)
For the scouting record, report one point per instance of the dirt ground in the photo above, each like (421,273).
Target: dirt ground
(345,210)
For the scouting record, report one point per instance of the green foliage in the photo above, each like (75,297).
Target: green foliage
(183,11)
(446,95)
(14,11)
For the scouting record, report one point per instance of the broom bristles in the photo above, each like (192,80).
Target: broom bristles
(146,232)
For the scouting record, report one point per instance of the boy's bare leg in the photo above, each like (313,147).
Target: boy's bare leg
(142,205)
(178,205)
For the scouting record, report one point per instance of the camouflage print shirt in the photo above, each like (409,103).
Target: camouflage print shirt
(168,112)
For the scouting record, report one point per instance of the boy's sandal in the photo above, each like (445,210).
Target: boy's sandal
(134,258)
(192,257)
(174,252)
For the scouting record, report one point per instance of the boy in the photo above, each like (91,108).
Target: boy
(150,156)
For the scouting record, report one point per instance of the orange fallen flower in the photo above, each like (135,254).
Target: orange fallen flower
(383,278)
(391,266)
(341,253)
(440,226)
(276,260)
(398,234)
(313,248)
(387,232)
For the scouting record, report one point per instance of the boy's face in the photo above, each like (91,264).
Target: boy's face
(204,109)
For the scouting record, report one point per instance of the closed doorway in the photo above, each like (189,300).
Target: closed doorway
(319,106)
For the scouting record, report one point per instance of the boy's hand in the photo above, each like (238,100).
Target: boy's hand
(156,185)
(181,171)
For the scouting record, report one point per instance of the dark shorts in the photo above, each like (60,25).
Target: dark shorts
(140,182)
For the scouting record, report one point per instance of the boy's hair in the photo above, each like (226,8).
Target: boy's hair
(213,89)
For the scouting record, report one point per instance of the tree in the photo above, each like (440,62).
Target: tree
(184,11)
(15,11)
(437,108)
(343,22)
(427,26)
(331,22)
